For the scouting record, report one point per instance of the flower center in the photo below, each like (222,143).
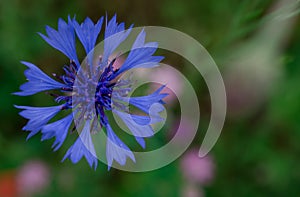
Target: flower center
(103,94)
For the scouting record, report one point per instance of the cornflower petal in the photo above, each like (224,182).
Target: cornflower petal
(63,39)
(116,149)
(140,55)
(83,147)
(144,103)
(88,32)
(38,117)
(38,81)
(114,35)
(138,131)
(59,130)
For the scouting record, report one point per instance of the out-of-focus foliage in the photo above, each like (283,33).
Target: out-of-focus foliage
(258,152)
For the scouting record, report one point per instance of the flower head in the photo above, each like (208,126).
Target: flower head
(90,90)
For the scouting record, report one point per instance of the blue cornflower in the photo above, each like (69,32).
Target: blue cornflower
(89,108)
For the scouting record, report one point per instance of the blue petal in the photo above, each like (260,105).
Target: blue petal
(141,141)
(38,81)
(140,41)
(144,103)
(112,41)
(116,149)
(88,33)
(38,117)
(139,131)
(137,123)
(146,120)
(59,130)
(136,129)
(63,39)
(140,55)
(83,147)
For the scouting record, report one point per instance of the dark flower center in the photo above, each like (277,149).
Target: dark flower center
(88,90)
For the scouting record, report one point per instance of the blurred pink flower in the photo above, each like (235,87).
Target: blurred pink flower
(170,77)
(243,95)
(191,190)
(33,177)
(183,133)
(196,169)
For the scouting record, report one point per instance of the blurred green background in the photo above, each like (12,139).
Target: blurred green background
(258,153)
